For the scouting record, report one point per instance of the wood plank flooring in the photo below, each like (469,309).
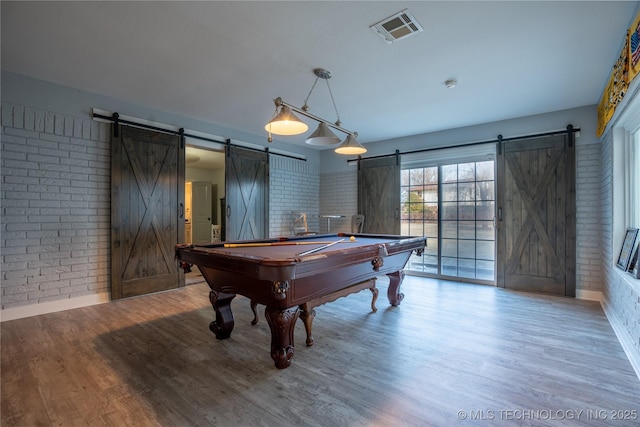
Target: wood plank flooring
(449,351)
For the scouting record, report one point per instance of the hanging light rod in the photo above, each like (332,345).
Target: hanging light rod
(280,102)
(284,122)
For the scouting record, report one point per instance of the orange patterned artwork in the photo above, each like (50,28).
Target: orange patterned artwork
(615,89)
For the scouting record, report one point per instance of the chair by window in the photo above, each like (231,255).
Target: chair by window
(357,223)
(299,226)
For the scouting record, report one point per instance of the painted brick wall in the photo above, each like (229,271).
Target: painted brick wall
(621,299)
(294,186)
(588,223)
(55,200)
(55,196)
(339,196)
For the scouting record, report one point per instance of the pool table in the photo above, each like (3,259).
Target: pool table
(285,273)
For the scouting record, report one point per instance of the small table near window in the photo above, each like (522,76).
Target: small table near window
(329,218)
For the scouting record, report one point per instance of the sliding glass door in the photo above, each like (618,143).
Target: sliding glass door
(453,205)
(419,215)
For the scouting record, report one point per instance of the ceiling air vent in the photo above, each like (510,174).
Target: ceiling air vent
(397,27)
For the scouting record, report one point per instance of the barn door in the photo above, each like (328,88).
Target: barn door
(379,194)
(246,193)
(147,211)
(536,215)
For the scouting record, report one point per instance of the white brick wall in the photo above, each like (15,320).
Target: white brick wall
(55,196)
(339,196)
(620,299)
(338,193)
(294,185)
(588,223)
(55,200)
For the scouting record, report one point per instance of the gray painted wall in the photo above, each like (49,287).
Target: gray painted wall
(584,118)
(55,193)
(40,95)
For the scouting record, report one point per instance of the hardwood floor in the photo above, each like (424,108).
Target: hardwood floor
(449,351)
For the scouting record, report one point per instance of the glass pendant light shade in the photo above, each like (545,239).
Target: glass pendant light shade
(351,146)
(322,136)
(286,123)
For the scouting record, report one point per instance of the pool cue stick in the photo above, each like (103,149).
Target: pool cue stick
(310,251)
(250,245)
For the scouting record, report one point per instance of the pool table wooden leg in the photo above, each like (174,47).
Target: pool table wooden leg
(393,292)
(223,325)
(254,309)
(374,297)
(307,314)
(281,323)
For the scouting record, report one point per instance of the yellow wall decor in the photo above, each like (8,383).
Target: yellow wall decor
(614,90)
(626,68)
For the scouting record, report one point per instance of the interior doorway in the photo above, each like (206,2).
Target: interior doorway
(204,188)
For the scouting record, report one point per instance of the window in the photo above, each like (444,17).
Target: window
(626,173)
(633,180)
(453,205)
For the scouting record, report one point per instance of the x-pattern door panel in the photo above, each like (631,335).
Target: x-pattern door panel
(146,179)
(247,195)
(536,246)
(379,194)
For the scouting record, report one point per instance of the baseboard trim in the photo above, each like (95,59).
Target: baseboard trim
(14,313)
(589,295)
(623,337)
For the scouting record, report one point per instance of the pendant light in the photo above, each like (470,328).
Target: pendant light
(351,146)
(322,136)
(285,122)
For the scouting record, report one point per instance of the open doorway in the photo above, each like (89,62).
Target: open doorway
(204,188)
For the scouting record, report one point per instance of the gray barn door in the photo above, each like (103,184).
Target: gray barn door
(536,215)
(147,211)
(246,194)
(379,194)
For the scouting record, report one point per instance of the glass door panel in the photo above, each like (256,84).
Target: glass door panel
(456,214)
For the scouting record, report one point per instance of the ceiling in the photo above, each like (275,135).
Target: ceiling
(199,158)
(224,62)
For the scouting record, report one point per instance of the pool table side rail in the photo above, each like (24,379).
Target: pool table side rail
(306,277)
(290,267)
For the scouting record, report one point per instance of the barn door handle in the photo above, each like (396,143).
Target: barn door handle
(228,211)
(499,214)
(181,210)
(397,213)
